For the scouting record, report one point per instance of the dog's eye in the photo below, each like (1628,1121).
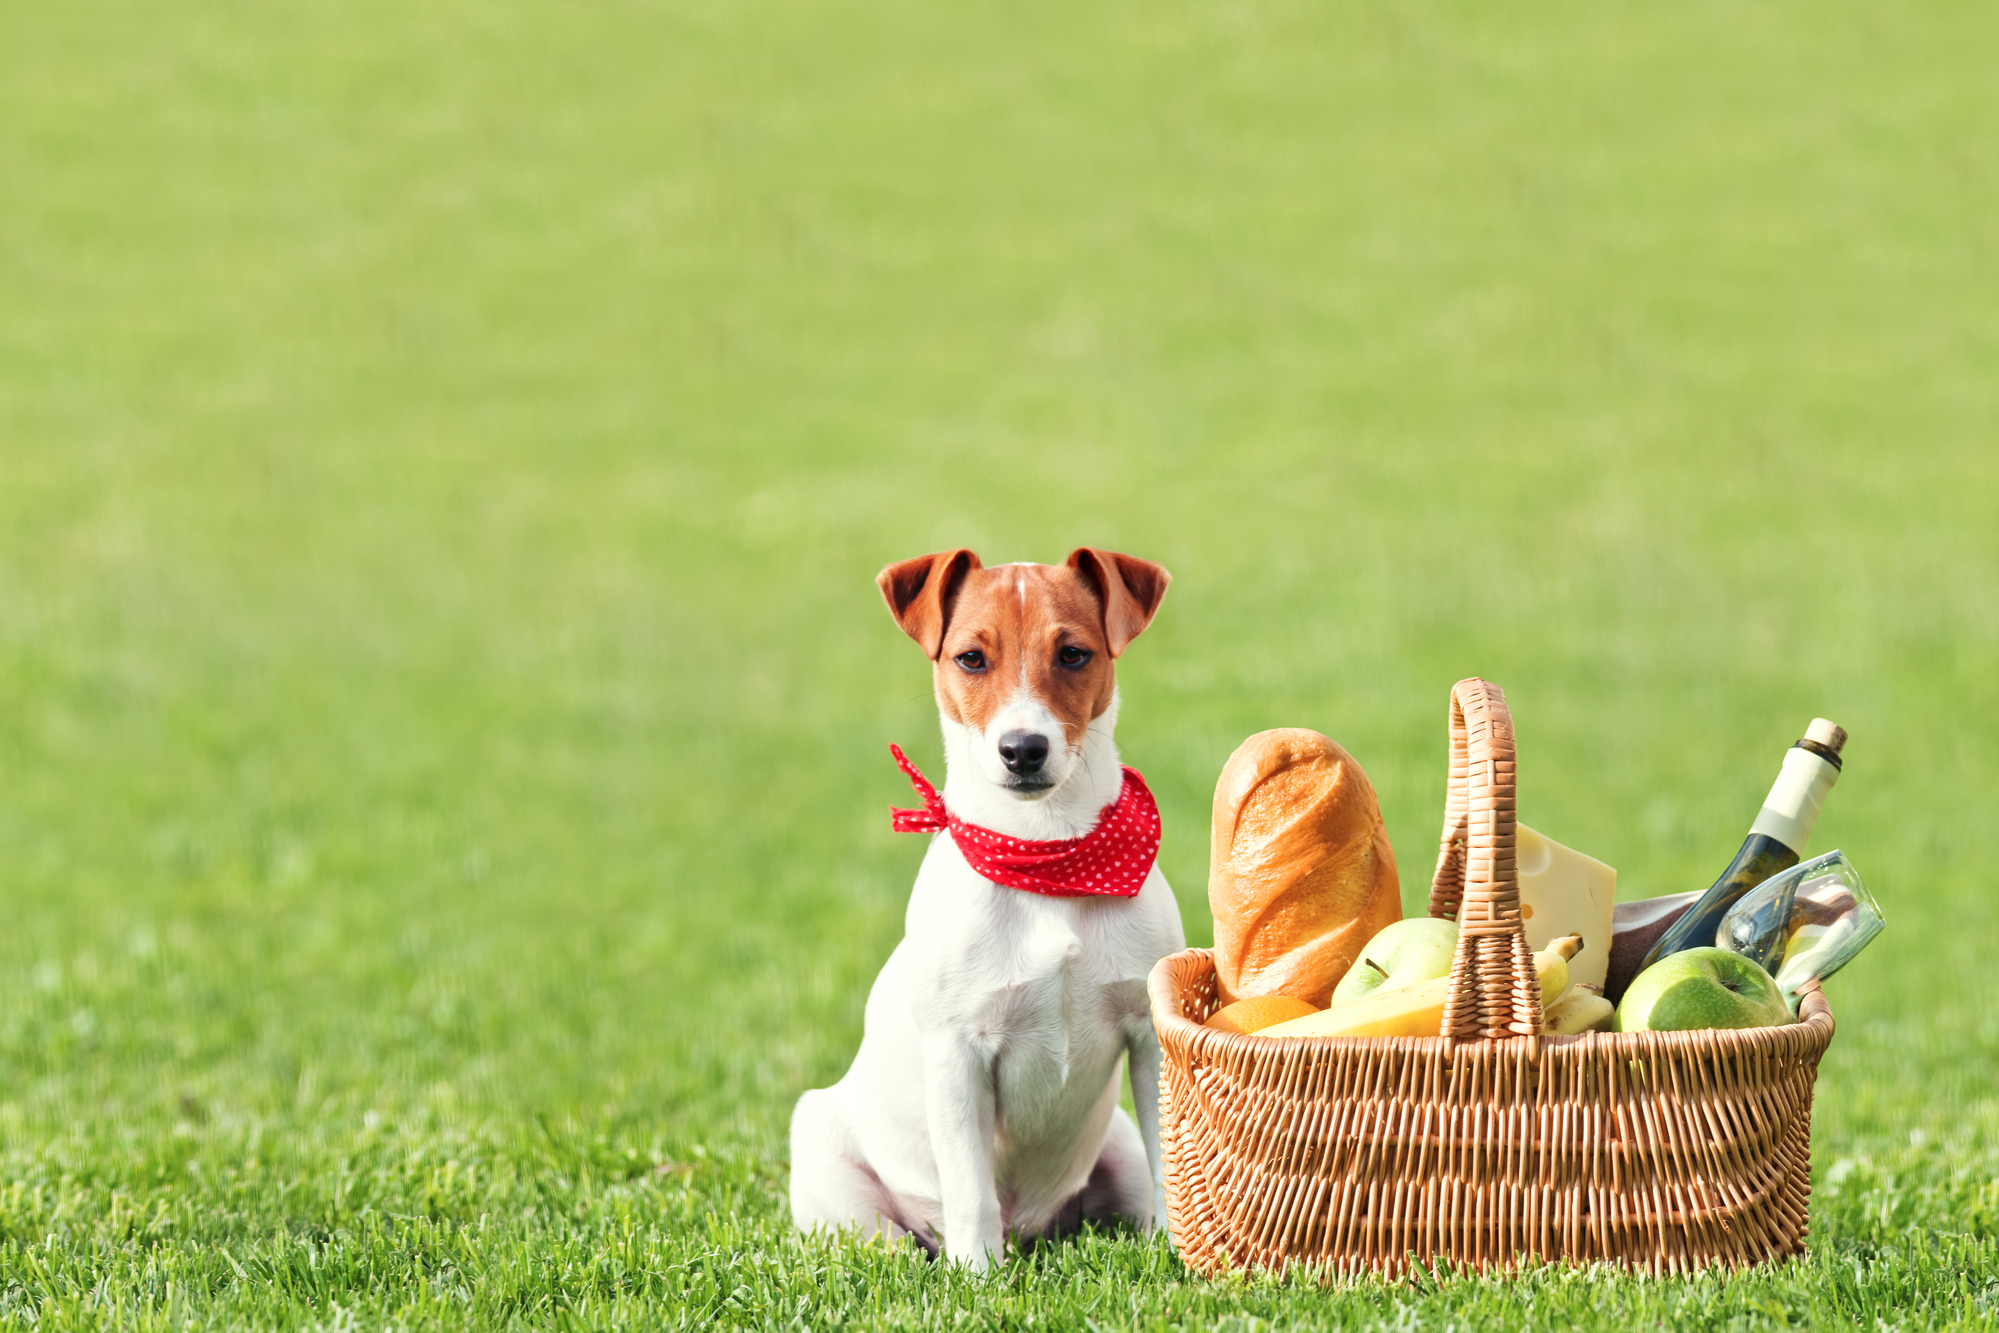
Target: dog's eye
(971,660)
(1074,657)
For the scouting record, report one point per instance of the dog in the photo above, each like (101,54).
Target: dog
(983,1102)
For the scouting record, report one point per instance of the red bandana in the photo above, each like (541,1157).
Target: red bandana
(1111,860)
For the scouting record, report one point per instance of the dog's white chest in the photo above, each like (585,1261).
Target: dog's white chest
(1044,987)
(1045,1015)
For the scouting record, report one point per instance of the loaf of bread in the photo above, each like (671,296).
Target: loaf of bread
(1300,872)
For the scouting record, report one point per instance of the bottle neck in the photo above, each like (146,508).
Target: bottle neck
(1760,857)
(1794,802)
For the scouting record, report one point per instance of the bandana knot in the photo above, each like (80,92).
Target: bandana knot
(1111,860)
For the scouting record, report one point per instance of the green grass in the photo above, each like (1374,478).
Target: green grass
(444,454)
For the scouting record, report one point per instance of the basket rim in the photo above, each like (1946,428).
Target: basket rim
(1170,976)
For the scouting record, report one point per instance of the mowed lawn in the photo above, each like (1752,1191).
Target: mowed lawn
(445,451)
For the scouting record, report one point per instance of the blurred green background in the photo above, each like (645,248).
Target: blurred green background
(445,452)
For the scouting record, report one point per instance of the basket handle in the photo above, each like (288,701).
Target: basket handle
(1493,990)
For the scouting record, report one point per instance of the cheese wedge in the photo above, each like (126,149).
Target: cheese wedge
(1416,1010)
(1563,892)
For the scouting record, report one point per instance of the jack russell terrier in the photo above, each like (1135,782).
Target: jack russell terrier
(984,1099)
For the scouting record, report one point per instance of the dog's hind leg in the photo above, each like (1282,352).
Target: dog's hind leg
(832,1187)
(1121,1182)
(1119,1187)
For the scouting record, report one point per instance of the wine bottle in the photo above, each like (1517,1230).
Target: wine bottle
(1775,839)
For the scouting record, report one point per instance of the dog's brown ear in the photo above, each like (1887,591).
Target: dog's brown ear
(919,593)
(1129,589)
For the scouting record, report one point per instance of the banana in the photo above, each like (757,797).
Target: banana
(1583,1009)
(1417,1010)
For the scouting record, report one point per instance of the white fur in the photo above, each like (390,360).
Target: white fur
(984,1095)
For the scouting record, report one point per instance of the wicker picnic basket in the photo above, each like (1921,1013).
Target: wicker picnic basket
(1492,1145)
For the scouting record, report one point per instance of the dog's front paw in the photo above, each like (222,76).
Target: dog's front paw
(977,1259)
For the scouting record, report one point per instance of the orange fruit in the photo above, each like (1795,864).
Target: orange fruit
(1259,1011)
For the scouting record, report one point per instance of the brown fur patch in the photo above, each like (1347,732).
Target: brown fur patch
(1020,618)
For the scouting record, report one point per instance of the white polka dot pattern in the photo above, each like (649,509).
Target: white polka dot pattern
(1111,860)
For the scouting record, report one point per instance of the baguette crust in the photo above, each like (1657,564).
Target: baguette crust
(1301,872)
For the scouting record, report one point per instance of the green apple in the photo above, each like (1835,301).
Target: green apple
(1416,948)
(1701,988)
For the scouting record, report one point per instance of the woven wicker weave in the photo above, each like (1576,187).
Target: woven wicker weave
(1490,1146)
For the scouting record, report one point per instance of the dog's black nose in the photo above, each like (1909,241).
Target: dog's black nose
(1023,752)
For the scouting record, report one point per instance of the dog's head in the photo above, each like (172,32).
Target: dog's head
(1024,654)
